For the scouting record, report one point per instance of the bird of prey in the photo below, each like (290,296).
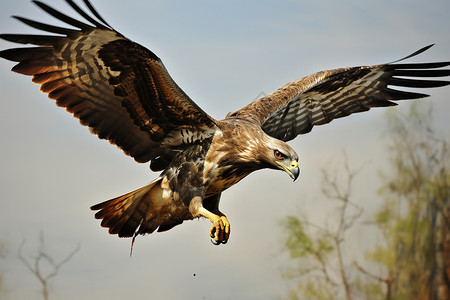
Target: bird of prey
(124,94)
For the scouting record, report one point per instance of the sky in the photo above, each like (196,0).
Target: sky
(223,54)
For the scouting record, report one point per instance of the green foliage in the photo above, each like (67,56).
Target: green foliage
(316,290)
(370,290)
(300,244)
(310,251)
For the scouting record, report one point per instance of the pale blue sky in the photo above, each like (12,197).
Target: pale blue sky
(223,54)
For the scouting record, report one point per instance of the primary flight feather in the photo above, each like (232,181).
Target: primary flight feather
(123,92)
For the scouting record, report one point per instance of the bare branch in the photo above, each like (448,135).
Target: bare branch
(367,273)
(35,266)
(22,258)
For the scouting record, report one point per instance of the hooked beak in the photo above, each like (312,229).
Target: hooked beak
(292,169)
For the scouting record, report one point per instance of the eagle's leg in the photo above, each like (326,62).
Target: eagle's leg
(211,204)
(220,230)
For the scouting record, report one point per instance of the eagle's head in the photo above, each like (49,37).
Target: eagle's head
(279,155)
(253,148)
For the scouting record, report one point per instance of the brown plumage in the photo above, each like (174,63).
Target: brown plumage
(124,94)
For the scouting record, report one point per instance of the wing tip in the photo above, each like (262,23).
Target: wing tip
(6,54)
(421,50)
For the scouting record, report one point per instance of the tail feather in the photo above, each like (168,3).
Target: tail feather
(124,214)
(137,210)
(142,211)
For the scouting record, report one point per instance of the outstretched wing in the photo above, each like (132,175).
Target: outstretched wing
(118,88)
(319,98)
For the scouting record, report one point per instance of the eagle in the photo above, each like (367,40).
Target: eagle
(124,94)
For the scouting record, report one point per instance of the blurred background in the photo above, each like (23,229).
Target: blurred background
(223,54)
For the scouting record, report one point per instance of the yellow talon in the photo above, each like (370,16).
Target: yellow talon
(220,230)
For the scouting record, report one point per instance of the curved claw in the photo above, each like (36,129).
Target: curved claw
(215,243)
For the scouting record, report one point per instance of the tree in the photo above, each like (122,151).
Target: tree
(413,259)
(415,216)
(318,249)
(42,257)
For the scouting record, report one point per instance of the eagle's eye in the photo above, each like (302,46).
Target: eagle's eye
(278,154)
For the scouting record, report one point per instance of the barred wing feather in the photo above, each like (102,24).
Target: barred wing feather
(118,88)
(322,97)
